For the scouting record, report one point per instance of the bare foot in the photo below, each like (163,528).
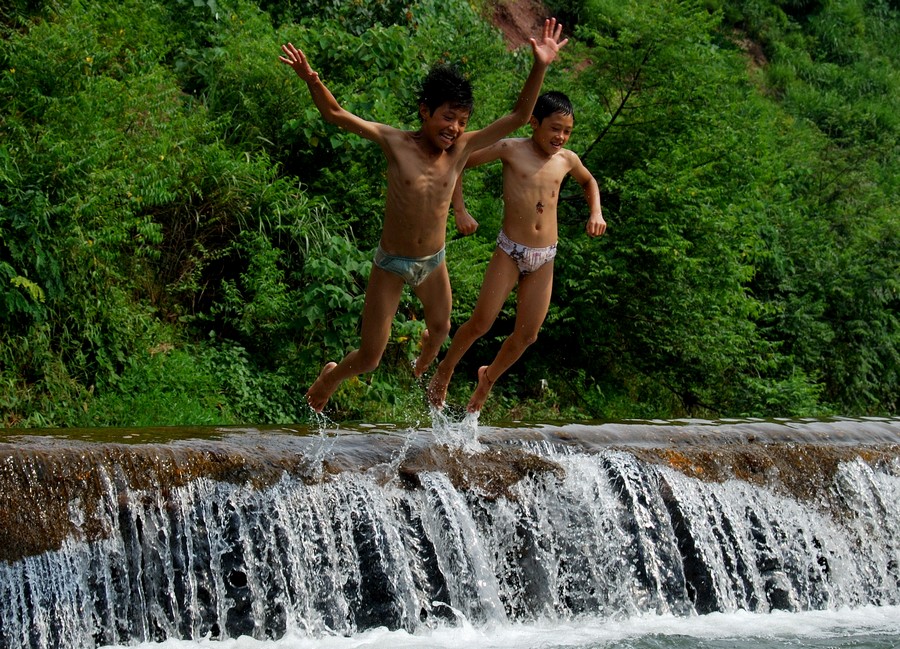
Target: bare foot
(437,388)
(481,391)
(317,395)
(419,366)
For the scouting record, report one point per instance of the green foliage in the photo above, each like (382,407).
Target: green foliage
(163,388)
(357,17)
(211,384)
(467,259)
(34,384)
(122,201)
(330,308)
(826,279)
(703,178)
(249,390)
(184,240)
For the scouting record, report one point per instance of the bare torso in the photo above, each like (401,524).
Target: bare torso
(420,185)
(531,183)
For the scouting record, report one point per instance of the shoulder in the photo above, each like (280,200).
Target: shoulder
(570,157)
(510,147)
(499,150)
(375,131)
(394,133)
(575,167)
(571,161)
(517,142)
(504,144)
(397,139)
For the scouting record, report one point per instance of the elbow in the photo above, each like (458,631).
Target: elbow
(330,117)
(519,117)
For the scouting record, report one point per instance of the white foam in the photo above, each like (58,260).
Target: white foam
(778,626)
(462,434)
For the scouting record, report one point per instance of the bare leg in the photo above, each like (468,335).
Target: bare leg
(382,298)
(419,362)
(531,309)
(437,301)
(499,280)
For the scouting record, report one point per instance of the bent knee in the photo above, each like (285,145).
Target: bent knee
(480,326)
(439,330)
(524,338)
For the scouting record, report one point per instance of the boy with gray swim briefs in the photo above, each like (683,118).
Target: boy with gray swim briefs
(422,169)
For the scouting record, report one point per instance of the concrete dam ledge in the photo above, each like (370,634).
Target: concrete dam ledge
(54,482)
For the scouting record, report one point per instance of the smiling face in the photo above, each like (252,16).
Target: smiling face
(551,134)
(443,126)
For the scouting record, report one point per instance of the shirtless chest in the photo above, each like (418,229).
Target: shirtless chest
(531,198)
(419,192)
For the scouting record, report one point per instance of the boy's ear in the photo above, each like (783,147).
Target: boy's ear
(424,113)
(533,121)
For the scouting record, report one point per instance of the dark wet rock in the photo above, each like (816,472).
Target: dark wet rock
(491,473)
(38,486)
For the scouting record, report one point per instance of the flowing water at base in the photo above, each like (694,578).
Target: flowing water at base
(638,535)
(864,628)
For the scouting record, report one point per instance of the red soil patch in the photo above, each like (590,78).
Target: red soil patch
(519,20)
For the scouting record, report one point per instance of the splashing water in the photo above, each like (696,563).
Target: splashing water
(461,434)
(326,538)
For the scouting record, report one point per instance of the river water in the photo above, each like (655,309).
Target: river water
(863,628)
(633,535)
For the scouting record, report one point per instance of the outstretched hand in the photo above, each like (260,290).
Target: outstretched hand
(297,60)
(548,47)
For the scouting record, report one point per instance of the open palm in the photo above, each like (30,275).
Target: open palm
(296,59)
(546,49)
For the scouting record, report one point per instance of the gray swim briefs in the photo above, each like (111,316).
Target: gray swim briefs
(413,270)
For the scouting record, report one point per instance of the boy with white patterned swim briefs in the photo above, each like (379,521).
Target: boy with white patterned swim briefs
(533,171)
(423,167)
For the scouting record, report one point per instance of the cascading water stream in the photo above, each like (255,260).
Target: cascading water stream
(264,532)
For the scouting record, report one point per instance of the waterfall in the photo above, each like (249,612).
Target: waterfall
(257,532)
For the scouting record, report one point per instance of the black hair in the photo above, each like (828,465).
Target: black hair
(552,102)
(445,84)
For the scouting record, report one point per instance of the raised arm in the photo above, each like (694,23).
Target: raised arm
(544,52)
(596,225)
(325,102)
